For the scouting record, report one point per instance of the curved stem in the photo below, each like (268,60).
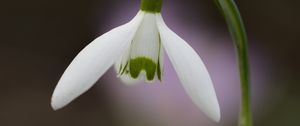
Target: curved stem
(236,27)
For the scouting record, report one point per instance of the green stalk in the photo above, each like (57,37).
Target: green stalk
(236,27)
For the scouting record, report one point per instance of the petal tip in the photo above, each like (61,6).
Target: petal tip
(55,104)
(216,117)
(215,114)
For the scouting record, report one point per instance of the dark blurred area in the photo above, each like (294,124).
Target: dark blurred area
(39,38)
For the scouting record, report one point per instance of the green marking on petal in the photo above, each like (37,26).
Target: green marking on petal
(158,71)
(142,63)
(158,61)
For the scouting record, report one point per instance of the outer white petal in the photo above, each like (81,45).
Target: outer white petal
(191,71)
(93,61)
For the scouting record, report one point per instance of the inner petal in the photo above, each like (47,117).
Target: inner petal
(145,49)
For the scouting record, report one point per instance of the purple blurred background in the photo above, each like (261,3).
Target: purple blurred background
(39,38)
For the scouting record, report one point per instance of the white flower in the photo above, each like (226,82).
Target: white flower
(136,49)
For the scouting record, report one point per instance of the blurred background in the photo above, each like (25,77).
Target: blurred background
(39,38)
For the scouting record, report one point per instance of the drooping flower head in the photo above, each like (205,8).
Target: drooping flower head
(136,48)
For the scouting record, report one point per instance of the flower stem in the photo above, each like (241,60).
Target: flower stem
(236,27)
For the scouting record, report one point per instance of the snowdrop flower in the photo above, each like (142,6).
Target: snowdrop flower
(136,49)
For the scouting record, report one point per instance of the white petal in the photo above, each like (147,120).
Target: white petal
(93,61)
(146,45)
(191,71)
(146,40)
(144,49)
